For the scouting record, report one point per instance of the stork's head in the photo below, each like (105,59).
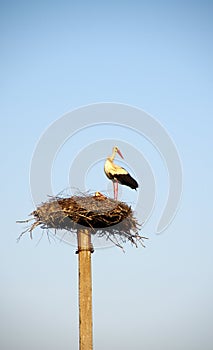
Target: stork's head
(116,150)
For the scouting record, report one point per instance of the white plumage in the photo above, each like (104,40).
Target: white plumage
(118,174)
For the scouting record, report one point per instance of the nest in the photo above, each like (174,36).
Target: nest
(104,216)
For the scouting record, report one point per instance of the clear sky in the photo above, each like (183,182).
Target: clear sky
(156,56)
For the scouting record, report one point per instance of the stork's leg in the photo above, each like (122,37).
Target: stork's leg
(116,190)
(113,188)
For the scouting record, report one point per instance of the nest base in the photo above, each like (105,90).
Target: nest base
(104,216)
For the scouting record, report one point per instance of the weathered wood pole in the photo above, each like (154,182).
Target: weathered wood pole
(85,290)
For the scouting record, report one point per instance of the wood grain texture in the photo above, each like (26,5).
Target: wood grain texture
(85,290)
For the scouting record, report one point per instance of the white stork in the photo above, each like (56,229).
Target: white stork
(118,174)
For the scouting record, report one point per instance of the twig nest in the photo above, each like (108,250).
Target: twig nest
(103,215)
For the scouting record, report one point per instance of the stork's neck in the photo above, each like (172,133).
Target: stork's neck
(113,154)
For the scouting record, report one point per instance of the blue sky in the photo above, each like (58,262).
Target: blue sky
(157,56)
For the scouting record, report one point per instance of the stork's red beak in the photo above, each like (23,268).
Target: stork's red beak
(120,154)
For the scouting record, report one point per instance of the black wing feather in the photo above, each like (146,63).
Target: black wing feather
(126,180)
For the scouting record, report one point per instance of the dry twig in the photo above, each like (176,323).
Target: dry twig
(106,217)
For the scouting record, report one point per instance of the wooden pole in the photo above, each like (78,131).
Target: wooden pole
(85,289)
